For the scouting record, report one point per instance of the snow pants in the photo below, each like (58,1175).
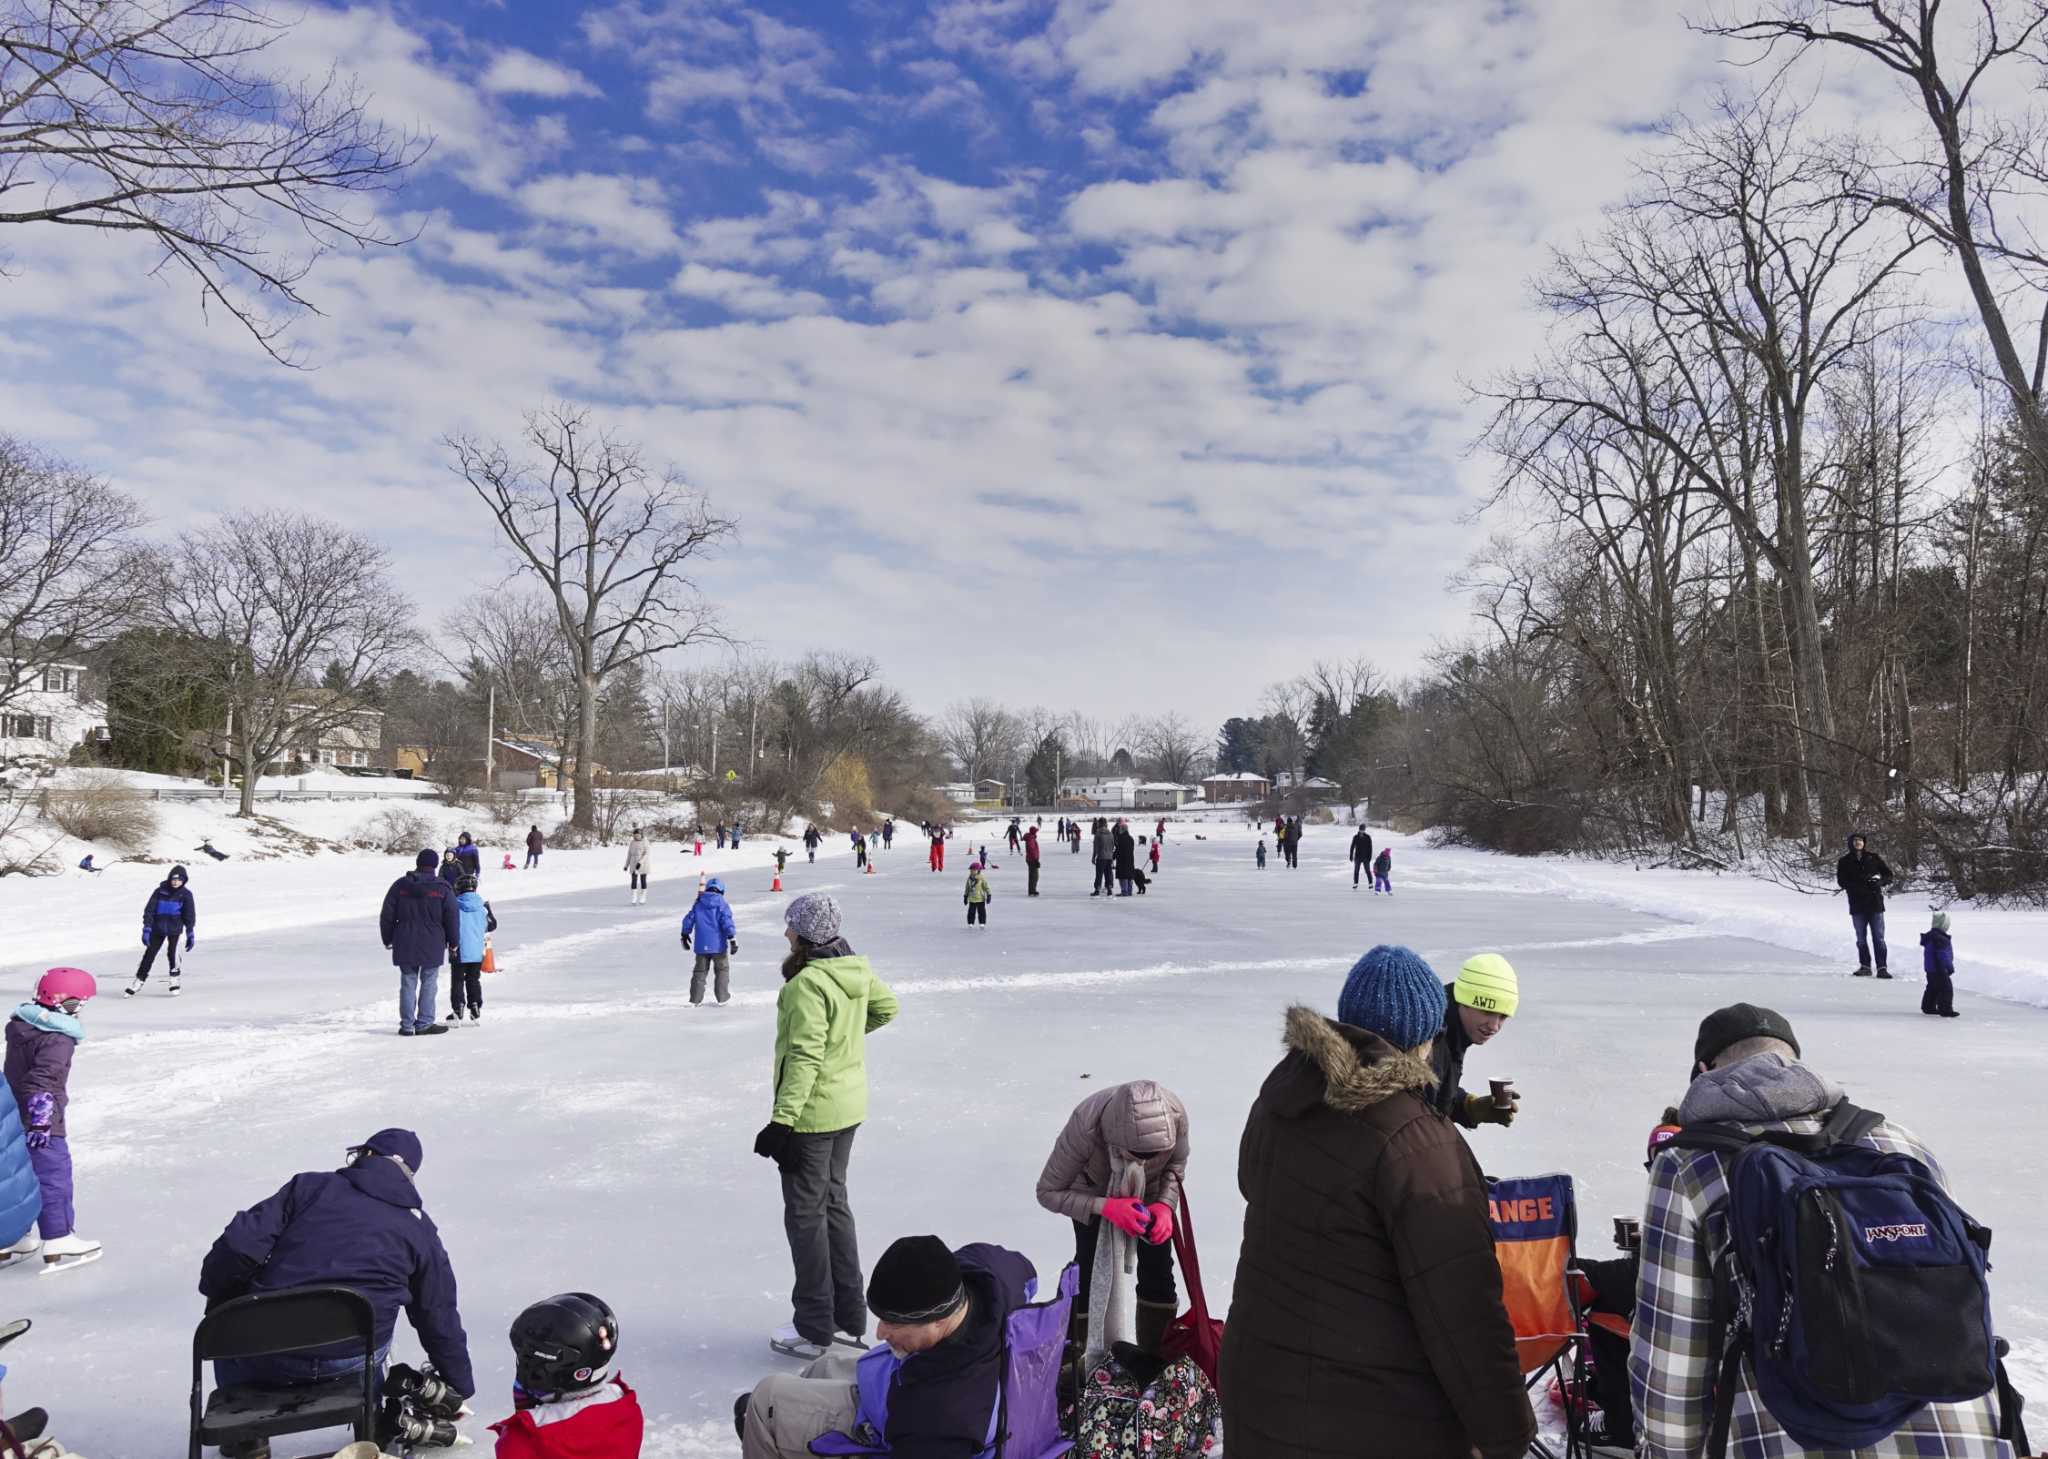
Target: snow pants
(1383,881)
(977,912)
(52,1165)
(829,1294)
(416,990)
(1940,996)
(1155,1266)
(938,856)
(168,940)
(1869,933)
(466,987)
(705,965)
(786,1412)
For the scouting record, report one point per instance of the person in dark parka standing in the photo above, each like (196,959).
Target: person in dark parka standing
(1864,876)
(1367,1321)
(362,1226)
(419,923)
(1361,856)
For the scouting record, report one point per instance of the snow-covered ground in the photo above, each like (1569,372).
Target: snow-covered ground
(596,1132)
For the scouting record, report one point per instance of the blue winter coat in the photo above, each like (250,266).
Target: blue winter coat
(708,924)
(170,909)
(1937,954)
(941,1403)
(21,1194)
(473,915)
(472,859)
(419,922)
(363,1228)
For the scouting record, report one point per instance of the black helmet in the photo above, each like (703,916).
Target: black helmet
(466,882)
(563,1345)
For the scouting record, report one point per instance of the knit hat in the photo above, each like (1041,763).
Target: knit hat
(427,860)
(1728,1026)
(1392,992)
(1941,921)
(1487,983)
(814,917)
(403,1144)
(917,1280)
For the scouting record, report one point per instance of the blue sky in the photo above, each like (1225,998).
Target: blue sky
(1110,354)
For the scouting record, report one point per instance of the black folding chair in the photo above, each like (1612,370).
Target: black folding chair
(265,1324)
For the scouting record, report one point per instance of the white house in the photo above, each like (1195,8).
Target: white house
(51,717)
(1313,787)
(959,792)
(1101,792)
(1163,795)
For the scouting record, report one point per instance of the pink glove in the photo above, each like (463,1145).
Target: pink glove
(1127,1214)
(1161,1230)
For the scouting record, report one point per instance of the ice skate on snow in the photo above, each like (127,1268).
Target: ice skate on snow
(15,1255)
(420,1412)
(793,1344)
(62,1253)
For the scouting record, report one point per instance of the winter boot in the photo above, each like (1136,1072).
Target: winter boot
(1153,1320)
(1863,972)
(739,1415)
(1885,975)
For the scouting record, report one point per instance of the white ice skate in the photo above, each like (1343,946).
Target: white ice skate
(177,986)
(62,1253)
(134,987)
(21,1251)
(793,1344)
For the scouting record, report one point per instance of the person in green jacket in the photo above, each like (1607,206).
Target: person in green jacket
(830,1002)
(978,895)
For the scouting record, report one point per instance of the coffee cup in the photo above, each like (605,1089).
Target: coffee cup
(1628,1233)
(1503,1090)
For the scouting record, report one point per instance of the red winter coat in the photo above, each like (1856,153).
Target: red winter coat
(606,1425)
(1031,846)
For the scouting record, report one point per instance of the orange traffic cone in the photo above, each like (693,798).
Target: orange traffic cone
(871,868)
(490,964)
(778,883)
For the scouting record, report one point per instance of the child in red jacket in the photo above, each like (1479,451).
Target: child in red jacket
(570,1404)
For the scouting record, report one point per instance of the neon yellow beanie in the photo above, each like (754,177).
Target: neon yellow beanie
(1487,983)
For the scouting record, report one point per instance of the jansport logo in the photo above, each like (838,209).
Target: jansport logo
(1913,1231)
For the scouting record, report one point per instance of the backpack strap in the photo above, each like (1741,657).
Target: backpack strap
(1724,1401)
(1847,1124)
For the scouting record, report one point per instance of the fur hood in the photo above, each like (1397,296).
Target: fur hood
(1359,1069)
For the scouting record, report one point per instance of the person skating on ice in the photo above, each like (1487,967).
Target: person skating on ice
(1938,962)
(474,922)
(811,840)
(169,913)
(709,925)
(1361,857)
(636,868)
(42,1036)
(977,896)
(1383,872)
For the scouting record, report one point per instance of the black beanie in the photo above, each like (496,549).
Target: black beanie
(1731,1025)
(917,1280)
(427,860)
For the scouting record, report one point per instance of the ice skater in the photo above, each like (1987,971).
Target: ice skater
(1383,872)
(709,924)
(1261,854)
(636,868)
(811,840)
(1154,857)
(42,1036)
(860,851)
(1938,961)
(1361,855)
(474,922)
(782,859)
(977,896)
(169,912)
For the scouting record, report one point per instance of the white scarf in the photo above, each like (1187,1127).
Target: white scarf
(1112,1287)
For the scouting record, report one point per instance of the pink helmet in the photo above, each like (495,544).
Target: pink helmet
(58,984)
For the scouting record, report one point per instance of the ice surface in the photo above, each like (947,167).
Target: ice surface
(596,1132)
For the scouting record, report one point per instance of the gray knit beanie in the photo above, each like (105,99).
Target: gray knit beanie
(814,917)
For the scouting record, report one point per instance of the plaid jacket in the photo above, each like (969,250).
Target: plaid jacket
(1669,1364)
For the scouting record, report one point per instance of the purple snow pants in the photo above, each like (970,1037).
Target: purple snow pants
(52,1165)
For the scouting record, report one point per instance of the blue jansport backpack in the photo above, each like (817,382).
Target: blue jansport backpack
(1849,1280)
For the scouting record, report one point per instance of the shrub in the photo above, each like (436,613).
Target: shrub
(396,831)
(569,836)
(502,808)
(102,811)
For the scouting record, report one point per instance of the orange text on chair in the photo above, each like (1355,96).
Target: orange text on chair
(1532,1231)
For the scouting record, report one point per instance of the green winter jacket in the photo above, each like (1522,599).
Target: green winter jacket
(822,1019)
(978,889)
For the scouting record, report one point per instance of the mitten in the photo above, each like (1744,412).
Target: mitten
(188,942)
(38,1138)
(732,945)
(1126,1214)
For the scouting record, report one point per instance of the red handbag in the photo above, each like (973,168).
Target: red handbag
(1194,1334)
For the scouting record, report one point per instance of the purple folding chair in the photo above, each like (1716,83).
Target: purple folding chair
(1035,1343)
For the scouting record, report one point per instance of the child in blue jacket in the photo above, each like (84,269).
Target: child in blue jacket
(474,919)
(169,912)
(709,922)
(1938,961)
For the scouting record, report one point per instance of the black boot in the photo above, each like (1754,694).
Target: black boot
(1153,1320)
(739,1415)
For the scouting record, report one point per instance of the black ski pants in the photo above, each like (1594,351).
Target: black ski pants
(466,986)
(1030,878)
(829,1294)
(1155,1266)
(158,937)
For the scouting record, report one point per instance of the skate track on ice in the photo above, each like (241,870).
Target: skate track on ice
(595,1133)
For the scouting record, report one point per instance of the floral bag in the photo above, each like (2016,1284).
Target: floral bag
(1176,1415)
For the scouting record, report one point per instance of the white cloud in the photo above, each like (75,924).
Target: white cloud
(602,209)
(521,73)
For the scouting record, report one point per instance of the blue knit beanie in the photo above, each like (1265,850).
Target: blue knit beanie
(1392,992)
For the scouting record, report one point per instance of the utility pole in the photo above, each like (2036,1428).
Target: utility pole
(227,756)
(490,736)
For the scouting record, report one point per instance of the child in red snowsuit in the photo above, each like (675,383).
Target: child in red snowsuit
(570,1405)
(1155,856)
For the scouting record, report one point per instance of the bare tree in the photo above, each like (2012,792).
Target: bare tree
(1171,748)
(63,543)
(303,617)
(1978,184)
(158,117)
(612,543)
(980,735)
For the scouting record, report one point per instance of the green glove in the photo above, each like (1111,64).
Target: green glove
(1481,1109)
